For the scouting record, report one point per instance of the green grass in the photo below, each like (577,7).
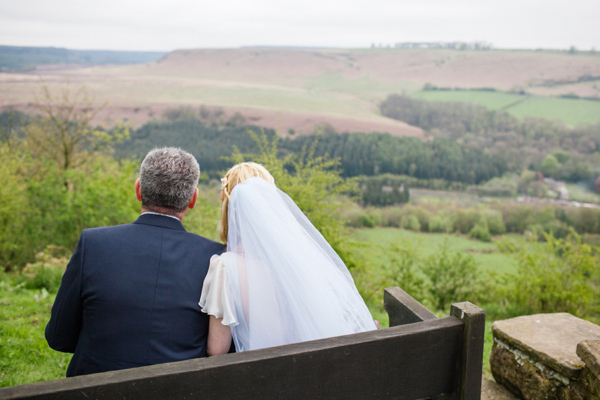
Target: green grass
(573,112)
(486,255)
(24,354)
(491,100)
(582,194)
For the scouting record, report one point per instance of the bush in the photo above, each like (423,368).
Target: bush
(452,277)
(555,276)
(411,223)
(402,270)
(497,187)
(391,216)
(494,221)
(367,220)
(481,231)
(47,271)
(441,222)
(465,220)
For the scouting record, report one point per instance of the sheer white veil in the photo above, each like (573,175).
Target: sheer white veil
(286,282)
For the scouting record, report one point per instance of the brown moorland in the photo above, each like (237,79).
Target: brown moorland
(297,89)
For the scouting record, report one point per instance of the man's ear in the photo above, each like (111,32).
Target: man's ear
(138,190)
(193,200)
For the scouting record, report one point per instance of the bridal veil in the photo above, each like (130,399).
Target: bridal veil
(283,280)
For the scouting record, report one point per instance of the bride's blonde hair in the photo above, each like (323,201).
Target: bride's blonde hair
(238,174)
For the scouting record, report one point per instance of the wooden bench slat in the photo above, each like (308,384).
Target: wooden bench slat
(403,309)
(388,363)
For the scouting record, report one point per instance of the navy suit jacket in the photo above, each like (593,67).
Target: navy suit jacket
(129,297)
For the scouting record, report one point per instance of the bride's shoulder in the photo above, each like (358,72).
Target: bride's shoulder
(222,258)
(226,258)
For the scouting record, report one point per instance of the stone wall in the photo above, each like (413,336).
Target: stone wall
(547,356)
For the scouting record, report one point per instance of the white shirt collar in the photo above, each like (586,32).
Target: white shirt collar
(164,215)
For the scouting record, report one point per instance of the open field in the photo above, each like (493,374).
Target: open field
(24,354)
(486,255)
(299,88)
(573,112)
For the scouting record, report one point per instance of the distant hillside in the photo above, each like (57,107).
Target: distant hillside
(294,90)
(14,58)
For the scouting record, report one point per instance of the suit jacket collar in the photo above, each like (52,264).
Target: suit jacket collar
(160,221)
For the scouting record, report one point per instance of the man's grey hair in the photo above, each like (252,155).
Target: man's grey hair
(168,178)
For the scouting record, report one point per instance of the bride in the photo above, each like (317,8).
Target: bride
(279,281)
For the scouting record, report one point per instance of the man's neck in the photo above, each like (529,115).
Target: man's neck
(165,211)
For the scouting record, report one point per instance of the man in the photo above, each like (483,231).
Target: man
(129,296)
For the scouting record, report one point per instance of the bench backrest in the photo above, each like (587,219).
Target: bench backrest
(432,357)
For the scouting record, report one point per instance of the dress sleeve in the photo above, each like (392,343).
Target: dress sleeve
(215,299)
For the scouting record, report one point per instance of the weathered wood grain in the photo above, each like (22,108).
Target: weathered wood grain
(403,309)
(434,358)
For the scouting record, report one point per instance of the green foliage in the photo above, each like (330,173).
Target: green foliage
(24,354)
(204,218)
(196,131)
(558,275)
(64,134)
(549,166)
(465,220)
(505,186)
(41,210)
(13,208)
(402,269)
(410,222)
(211,141)
(510,143)
(383,190)
(315,185)
(481,231)
(451,277)
(441,222)
(47,270)
(494,221)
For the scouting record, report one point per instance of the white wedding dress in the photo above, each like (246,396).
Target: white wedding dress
(279,281)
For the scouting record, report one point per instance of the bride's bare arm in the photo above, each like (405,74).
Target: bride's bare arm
(219,337)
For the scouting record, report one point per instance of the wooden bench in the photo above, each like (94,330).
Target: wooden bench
(419,356)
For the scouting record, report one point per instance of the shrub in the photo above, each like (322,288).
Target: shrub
(465,220)
(555,276)
(441,222)
(47,270)
(391,216)
(411,223)
(402,269)
(452,276)
(367,220)
(494,221)
(481,231)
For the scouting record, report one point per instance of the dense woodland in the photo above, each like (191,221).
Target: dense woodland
(570,154)
(359,153)
(16,58)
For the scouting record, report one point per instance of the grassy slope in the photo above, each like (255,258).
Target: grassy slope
(24,354)
(485,254)
(340,83)
(573,112)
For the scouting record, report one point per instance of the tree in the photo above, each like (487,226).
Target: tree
(63,133)
(550,166)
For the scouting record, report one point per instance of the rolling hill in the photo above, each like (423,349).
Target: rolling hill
(296,89)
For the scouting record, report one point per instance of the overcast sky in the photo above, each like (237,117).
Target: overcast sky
(176,24)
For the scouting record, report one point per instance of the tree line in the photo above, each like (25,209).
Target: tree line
(558,151)
(359,153)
